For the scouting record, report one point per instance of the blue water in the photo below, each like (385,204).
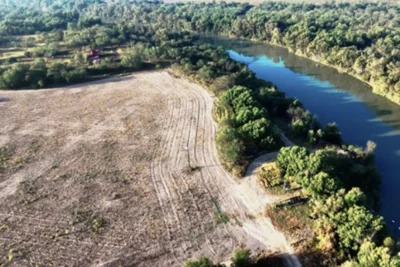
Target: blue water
(358,123)
(335,97)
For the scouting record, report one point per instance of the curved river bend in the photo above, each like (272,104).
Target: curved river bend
(333,97)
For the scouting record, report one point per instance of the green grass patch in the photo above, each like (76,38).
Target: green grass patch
(219,215)
(293,220)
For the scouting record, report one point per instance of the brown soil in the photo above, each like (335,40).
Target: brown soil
(99,175)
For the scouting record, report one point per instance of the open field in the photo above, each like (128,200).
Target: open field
(98,175)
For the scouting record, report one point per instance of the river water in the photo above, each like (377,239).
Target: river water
(333,97)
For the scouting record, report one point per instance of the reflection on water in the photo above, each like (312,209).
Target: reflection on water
(333,97)
(314,73)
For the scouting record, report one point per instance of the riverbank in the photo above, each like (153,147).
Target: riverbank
(374,88)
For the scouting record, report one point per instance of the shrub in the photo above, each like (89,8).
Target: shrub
(202,262)
(269,175)
(241,258)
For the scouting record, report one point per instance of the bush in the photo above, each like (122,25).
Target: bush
(202,262)
(241,258)
(269,175)
(75,75)
(15,77)
(231,148)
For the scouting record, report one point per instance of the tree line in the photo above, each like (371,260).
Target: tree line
(362,39)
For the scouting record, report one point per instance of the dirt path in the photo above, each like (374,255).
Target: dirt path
(118,151)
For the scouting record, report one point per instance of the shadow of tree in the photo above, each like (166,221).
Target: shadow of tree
(316,258)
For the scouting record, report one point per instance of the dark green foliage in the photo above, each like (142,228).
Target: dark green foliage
(371,255)
(293,160)
(332,178)
(202,262)
(319,186)
(230,146)
(273,100)
(332,134)
(241,258)
(245,127)
(132,61)
(352,222)
(341,168)
(15,77)
(360,39)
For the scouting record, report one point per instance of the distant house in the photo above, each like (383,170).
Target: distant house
(93,54)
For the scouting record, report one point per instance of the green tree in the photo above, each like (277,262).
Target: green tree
(372,256)
(132,60)
(230,146)
(352,222)
(319,186)
(202,262)
(332,134)
(241,258)
(15,77)
(293,160)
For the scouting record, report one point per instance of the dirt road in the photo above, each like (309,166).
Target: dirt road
(121,172)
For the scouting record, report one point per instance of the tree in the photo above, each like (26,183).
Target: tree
(332,134)
(231,148)
(371,255)
(352,222)
(132,60)
(55,72)
(241,258)
(293,160)
(356,225)
(319,186)
(15,77)
(202,262)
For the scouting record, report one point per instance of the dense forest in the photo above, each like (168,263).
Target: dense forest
(49,43)
(361,39)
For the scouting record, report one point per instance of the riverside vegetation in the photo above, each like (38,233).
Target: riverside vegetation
(46,44)
(361,39)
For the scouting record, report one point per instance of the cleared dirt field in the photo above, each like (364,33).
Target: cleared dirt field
(98,175)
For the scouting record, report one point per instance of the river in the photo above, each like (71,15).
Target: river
(333,97)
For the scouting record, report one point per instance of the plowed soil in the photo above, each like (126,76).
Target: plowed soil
(121,172)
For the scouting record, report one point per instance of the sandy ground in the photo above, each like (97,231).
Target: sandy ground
(98,175)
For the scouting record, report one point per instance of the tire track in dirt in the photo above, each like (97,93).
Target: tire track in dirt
(174,218)
(155,176)
(181,139)
(207,176)
(239,202)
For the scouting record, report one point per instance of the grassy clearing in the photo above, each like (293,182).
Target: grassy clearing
(13,54)
(293,220)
